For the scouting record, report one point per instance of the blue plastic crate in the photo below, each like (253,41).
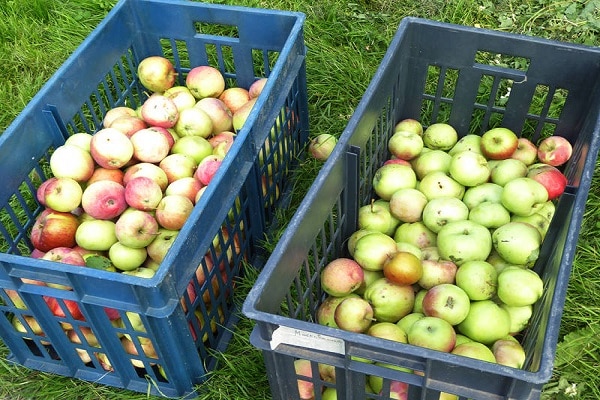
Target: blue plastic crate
(225,226)
(432,72)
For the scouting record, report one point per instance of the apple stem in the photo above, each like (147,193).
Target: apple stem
(372,204)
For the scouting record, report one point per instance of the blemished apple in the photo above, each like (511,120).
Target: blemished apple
(498,143)
(101,173)
(181,96)
(63,194)
(475,350)
(104,199)
(431,161)
(156,73)
(136,228)
(508,169)
(326,310)
(376,217)
(462,241)
(341,276)
(469,168)
(241,115)
(173,211)
(437,272)
(405,145)
(446,301)
(158,249)
(234,98)
(519,286)
(70,161)
(207,168)
(65,255)
(521,195)
(392,177)
(53,229)
(415,233)
(306,390)
(518,243)
(148,170)
(387,330)
(354,314)
(143,193)
(126,258)
(479,279)
(128,124)
(205,81)
(186,186)
(159,110)
(403,268)
(390,301)
(111,148)
(526,151)
(432,333)
(509,352)
(486,192)
(257,87)
(321,146)
(150,145)
(116,112)
(373,249)
(490,214)
(470,142)
(178,166)
(486,322)
(554,150)
(440,184)
(219,114)
(551,177)
(96,234)
(440,136)
(441,211)
(409,125)
(196,147)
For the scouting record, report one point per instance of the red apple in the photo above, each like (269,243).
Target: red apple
(526,151)
(554,150)
(149,170)
(104,199)
(143,193)
(498,143)
(169,135)
(53,229)
(40,192)
(186,186)
(173,211)
(111,148)
(205,81)
(128,124)
(156,73)
(256,87)
(207,168)
(222,142)
(341,276)
(218,112)
(159,110)
(150,145)
(70,308)
(234,98)
(551,177)
(101,174)
(65,255)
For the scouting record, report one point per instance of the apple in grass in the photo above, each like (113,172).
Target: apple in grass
(157,250)
(156,73)
(136,228)
(440,136)
(53,229)
(150,145)
(373,249)
(205,81)
(159,110)
(469,168)
(409,125)
(341,277)
(173,211)
(432,333)
(70,161)
(446,301)
(196,147)
(430,161)
(96,234)
(234,98)
(416,233)
(116,112)
(321,146)
(526,151)
(440,211)
(554,150)
(521,195)
(354,314)
(498,143)
(551,177)
(486,322)
(111,148)
(462,241)
(186,186)
(392,177)
(439,184)
(219,114)
(405,145)
(63,194)
(470,142)
(104,199)
(128,124)
(148,170)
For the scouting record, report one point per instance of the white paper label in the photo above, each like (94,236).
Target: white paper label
(311,340)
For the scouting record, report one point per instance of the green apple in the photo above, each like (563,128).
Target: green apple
(508,169)
(440,136)
(432,333)
(475,350)
(408,320)
(486,322)
(519,286)
(439,212)
(431,161)
(470,142)
(372,250)
(409,125)
(407,204)
(405,145)
(498,143)
(415,233)
(389,301)
(376,217)
(369,277)
(439,184)
(509,352)
(436,272)
(389,331)
(354,314)
(126,258)
(519,317)
(490,192)
(539,221)
(462,241)
(326,310)
(392,177)
(521,195)
(478,278)
(446,301)
(354,237)
(518,243)
(469,168)
(489,214)
(96,234)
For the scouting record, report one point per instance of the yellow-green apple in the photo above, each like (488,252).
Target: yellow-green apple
(177,166)
(257,87)
(479,279)
(148,170)
(116,112)
(159,110)
(506,170)
(173,211)
(126,258)
(156,73)
(405,145)
(521,195)
(194,122)
(409,125)
(476,350)
(181,96)
(407,204)
(419,295)
(440,136)
(205,81)
(327,373)
(241,115)
(104,199)
(462,241)
(140,272)
(387,330)
(538,220)
(326,310)
(406,322)
(17,301)
(235,97)
(486,322)
(377,217)
(489,214)
(518,243)
(373,249)
(509,352)
(186,186)
(415,233)
(111,148)
(341,277)
(498,143)
(389,301)
(131,349)
(554,150)
(70,161)
(398,390)
(486,192)
(53,229)
(519,286)
(207,168)
(469,168)
(460,339)
(96,234)
(441,211)
(135,228)
(446,301)
(519,317)
(63,194)
(392,177)
(431,161)
(222,142)
(369,277)
(219,114)
(80,139)
(526,151)
(321,146)
(409,248)
(128,124)
(354,237)
(306,389)
(101,173)
(354,314)
(439,184)
(470,142)
(403,268)
(150,145)
(432,333)
(196,147)
(546,209)
(437,272)
(551,177)
(143,193)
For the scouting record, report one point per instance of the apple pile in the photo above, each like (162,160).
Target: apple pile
(116,199)
(443,255)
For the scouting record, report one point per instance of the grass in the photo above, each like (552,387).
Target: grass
(346,41)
